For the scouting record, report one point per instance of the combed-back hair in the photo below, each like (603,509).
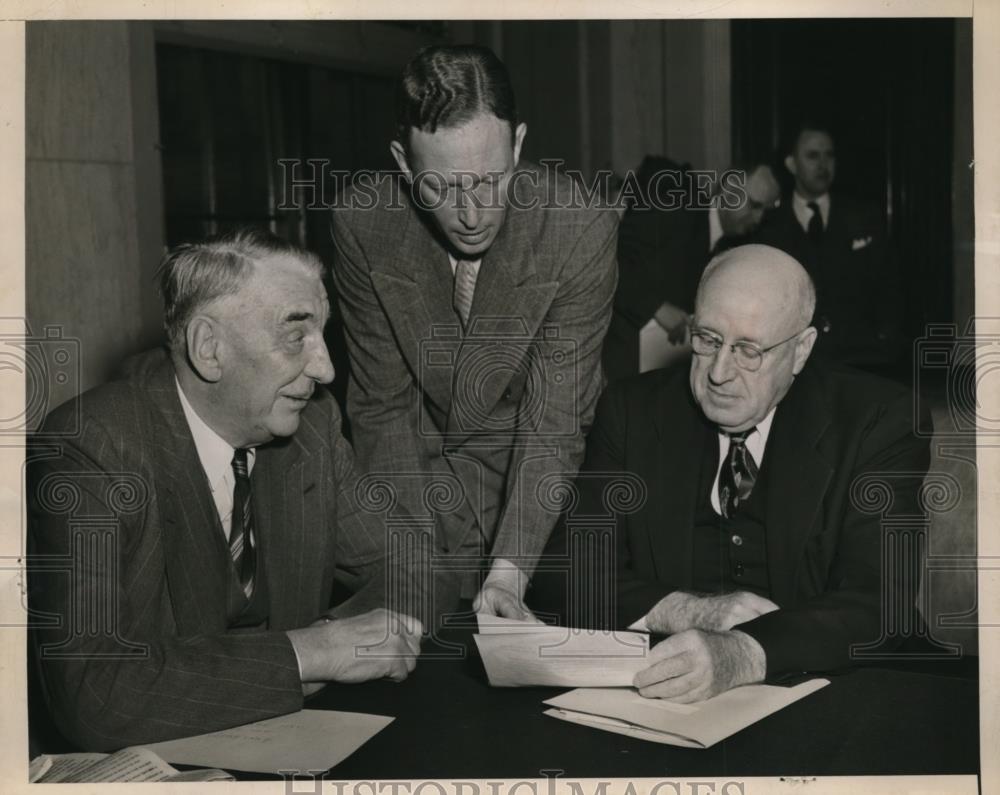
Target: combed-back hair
(193,275)
(446,86)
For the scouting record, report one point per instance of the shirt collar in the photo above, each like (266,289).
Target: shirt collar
(800,206)
(454,264)
(214,452)
(756,442)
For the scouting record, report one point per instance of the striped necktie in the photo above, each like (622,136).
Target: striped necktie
(739,473)
(241,537)
(465,289)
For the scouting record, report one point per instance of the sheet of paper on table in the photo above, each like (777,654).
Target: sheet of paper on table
(521,654)
(698,725)
(311,739)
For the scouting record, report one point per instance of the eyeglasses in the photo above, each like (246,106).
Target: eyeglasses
(747,355)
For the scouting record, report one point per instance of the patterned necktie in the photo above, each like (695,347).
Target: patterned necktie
(739,473)
(815,230)
(241,540)
(465,288)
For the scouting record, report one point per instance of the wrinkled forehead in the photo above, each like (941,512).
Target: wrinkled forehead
(743,309)
(282,281)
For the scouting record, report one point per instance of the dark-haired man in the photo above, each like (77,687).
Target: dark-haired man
(664,242)
(842,242)
(474,316)
(189,520)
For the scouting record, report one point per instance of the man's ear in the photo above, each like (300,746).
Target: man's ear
(519,133)
(203,348)
(803,347)
(790,164)
(398,152)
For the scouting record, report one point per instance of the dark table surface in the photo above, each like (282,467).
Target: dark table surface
(891,718)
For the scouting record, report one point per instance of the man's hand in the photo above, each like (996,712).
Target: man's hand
(679,611)
(379,644)
(696,665)
(674,321)
(502,593)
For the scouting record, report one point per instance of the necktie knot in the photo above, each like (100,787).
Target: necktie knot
(815,230)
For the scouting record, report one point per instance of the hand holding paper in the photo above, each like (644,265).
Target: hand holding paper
(695,665)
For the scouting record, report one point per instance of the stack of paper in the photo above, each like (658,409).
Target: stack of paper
(697,725)
(521,654)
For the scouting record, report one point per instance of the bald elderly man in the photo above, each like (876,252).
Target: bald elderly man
(748,549)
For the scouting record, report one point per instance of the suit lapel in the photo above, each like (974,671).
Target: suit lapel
(798,476)
(509,305)
(416,290)
(680,446)
(291,526)
(194,545)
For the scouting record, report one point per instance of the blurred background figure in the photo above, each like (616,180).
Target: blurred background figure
(667,236)
(842,242)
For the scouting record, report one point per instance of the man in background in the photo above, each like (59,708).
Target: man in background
(665,240)
(842,242)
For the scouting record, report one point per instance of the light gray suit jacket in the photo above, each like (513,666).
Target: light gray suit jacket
(474,428)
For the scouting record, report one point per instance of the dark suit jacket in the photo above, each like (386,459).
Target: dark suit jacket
(490,413)
(134,643)
(661,255)
(835,437)
(858,288)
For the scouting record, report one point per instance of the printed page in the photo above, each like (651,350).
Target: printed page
(128,764)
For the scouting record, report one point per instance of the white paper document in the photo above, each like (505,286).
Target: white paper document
(698,725)
(126,765)
(656,350)
(311,739)
(520,654)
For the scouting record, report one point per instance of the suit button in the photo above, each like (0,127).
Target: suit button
(737,540)
(739,570)
(508,394)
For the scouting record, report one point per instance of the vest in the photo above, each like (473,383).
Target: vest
(729,554)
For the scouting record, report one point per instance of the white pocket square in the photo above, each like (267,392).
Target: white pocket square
(860,242)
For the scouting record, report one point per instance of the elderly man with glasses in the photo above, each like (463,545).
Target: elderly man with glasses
(751,541)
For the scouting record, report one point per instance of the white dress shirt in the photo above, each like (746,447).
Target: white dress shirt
(216,456)
(800,206)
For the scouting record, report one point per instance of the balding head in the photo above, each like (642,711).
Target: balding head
(765,274)
(759,298)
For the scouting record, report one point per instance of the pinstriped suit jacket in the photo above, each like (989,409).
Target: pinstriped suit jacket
(129,575)
(499,410)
